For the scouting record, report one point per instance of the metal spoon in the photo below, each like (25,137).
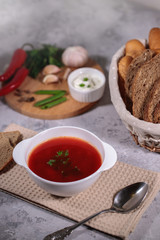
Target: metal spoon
(124,201)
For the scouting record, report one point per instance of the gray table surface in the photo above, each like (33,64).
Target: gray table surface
(102,27)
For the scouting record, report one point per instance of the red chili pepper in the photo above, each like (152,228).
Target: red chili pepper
(17,61)
(15,82)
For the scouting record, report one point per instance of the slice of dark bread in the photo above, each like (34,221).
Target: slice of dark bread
(152,99)
(6,152)
(156,114)
(8,141)
(143,82)
(133,68)
(13,136)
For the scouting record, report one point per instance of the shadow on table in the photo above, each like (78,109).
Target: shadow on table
(103,62)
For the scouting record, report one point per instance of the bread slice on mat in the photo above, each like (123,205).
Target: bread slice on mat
(133,68)
(8,141)
(156,114)
(13,136)
(6,152)
(143,82)
(152,99)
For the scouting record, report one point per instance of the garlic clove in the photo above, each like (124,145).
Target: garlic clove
(75,56)
(66,73)
(50,78)
(50,69)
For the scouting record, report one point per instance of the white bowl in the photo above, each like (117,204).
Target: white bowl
(146,134)
(23,149)
(87,95)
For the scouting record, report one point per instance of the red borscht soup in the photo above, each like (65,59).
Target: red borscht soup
(64,159)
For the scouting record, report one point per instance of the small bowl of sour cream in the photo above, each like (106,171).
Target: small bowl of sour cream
(86,84)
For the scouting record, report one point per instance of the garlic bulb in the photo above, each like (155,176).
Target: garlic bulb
(50,69)
(75,56)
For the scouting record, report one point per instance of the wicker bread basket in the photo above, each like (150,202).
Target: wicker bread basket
(144,133)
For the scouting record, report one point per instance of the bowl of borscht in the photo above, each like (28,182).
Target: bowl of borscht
(64,160)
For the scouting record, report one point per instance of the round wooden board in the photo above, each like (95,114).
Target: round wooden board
(66,109)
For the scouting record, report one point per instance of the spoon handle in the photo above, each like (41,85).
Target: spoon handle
(62,233)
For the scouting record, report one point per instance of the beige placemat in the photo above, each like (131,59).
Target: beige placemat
(16,181)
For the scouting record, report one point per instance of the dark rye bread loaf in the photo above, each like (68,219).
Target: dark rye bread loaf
(152,100)
(143,82)
(133,68)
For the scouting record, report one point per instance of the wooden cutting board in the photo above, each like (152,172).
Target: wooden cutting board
(66,109)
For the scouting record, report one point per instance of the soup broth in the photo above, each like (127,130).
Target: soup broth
(64,159)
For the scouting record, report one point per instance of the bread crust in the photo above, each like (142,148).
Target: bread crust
(13,136)
(143,82)
(8,141)
(123,65)
(6,152)
(156,114)
(152,100)
(154,38)
(134,48)
(136,63)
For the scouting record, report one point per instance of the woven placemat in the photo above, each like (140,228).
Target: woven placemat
(15,180)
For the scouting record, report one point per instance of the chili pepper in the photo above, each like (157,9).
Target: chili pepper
(15,82)
(17,61)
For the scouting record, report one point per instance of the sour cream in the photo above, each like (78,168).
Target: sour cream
(86,82)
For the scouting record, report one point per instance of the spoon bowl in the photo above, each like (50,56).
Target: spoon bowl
(130,197)
(124,201)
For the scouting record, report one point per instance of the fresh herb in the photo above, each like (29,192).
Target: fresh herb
(66,153)
(81,84)
(88,86)
(54,103)
(76,168)
(49,92)
(54,100)
(59,153)
(85,79)
(66,161)
(61,156)
(38,58)
(50,99)
(61,162)
(51,161)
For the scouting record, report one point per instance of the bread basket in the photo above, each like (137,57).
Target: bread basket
(144,133)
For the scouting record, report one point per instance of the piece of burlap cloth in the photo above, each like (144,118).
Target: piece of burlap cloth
(15,180)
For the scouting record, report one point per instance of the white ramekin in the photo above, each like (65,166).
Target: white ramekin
(91,95)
